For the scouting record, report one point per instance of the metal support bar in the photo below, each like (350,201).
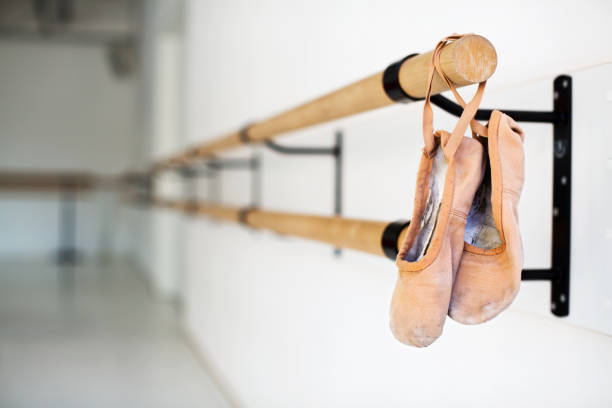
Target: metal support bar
(538,274)
(233,164)
(562,197)
(336,151)
(484,114)
(191,183)
(67,252)
(561,119)
(315,151)
(210,168)
(256,180)
(338,154)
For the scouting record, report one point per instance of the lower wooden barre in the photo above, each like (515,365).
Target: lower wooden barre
(360,235)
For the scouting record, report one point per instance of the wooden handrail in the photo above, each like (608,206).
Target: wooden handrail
(53,181)
(469,60)
(44,181)
(360,235)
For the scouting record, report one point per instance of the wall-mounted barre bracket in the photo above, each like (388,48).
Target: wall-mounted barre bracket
(142,184)
(335,151)
(210,168)
(67,253)
(561,119)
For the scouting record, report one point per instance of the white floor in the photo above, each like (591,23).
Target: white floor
(92,337)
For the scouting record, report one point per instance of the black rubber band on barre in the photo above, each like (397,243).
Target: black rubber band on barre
(390,236)
(244,134)
(391,83)
(243,213)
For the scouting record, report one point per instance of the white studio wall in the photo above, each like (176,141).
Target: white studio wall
(282,321)
(161,103)
(165,263)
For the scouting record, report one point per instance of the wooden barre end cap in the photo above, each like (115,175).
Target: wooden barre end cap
(474,59)
(469,60)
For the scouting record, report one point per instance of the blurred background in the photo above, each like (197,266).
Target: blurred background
(108,302)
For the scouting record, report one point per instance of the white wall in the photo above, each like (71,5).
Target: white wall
(281,320)
(161,114)
(61,109)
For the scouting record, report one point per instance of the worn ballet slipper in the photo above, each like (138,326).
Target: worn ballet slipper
(449,174)
(432,249)
(489,273)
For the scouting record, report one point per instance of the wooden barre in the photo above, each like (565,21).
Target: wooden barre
(56,181)
(45,181)
(360,235)
(469,60)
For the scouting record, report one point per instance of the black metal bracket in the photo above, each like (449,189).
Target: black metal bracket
(335,151)
(561,119)
(142,184)
(210,168)
(67,253)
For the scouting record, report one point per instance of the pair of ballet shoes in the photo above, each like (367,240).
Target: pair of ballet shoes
(462,254)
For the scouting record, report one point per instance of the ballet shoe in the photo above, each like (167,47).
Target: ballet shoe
(489,273)
(432,250)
